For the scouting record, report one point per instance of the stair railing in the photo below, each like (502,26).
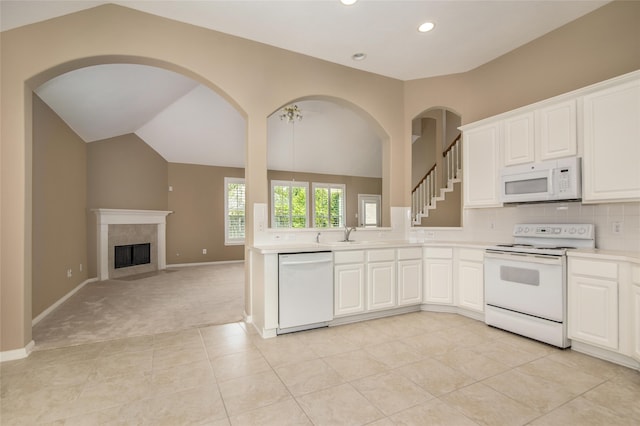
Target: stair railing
(423,193)
(453,158)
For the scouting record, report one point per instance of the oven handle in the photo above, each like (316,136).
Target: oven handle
(525,257)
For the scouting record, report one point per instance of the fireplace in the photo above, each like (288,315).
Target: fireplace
(131,255)
(140,236)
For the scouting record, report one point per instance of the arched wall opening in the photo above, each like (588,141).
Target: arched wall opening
(347,143)
(436,166)
(78,215)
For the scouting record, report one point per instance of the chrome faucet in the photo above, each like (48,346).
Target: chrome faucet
(347,232)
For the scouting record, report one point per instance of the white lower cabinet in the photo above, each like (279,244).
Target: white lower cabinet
(409,276)
(381,279)
(349,283)
(593,302)
(470,281)
(381,285)
(409,282)
(438,275)
(635,310)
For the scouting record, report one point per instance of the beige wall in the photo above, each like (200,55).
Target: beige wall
(259,79)
(423,151)
(449,211)
(354,185)
(598,46)
(122,173)
(59,208)
(197,221)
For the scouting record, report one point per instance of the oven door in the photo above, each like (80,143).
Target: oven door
(526,283)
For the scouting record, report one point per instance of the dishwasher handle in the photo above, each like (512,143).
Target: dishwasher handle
(304,262)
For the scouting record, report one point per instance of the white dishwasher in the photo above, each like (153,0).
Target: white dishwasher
(305,291)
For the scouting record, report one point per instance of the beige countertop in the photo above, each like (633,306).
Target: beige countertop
(616,255)
(300,247)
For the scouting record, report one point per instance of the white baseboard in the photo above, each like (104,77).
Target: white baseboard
(17,353)
(479,316)
(61,301)
(183,265)
(604,354)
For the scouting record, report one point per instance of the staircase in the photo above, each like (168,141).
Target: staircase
(430,189)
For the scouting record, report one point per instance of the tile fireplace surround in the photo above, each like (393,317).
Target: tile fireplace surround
(117,221)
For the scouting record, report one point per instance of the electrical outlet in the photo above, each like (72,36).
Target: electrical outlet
(204,251)
(69,273)
(80,267)
(616,227)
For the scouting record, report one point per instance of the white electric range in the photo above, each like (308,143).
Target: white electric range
(526,281)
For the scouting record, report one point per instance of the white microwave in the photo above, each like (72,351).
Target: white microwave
(555,180)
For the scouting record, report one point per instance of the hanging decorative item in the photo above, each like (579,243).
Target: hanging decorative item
(291,113)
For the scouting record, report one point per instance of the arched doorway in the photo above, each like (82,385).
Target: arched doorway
(68,224)
(436,167)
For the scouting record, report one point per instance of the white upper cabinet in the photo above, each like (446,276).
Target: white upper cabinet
(600,123)
(557,130)
(611,131)
(542,134)
(519,136)
(481,166)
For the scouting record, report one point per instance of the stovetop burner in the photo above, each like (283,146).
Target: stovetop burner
(549,239)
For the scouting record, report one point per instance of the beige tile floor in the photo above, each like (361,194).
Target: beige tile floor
(415,369)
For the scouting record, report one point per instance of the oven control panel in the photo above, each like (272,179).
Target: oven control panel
(568,230)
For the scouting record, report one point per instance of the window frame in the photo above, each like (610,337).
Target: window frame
(290,183)
(343,213)
(229,241)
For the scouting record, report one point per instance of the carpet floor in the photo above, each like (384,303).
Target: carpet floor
(171,300)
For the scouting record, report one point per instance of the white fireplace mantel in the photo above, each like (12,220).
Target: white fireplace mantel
(108,217)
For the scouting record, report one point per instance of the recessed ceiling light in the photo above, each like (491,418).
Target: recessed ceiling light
(358,56)
(348,2)
(426,27)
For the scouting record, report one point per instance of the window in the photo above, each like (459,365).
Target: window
(369,210)
(234,211)
(328,205)
(289,204)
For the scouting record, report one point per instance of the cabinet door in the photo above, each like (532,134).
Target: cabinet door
(611,148)
(409,282)
(593,311)
(381,285)
(635,297)
(471,285)
(635,309)
(349,289)
(519,134)
(438,283)
(481,166)
(558,130)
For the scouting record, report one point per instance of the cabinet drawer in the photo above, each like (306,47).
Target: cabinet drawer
(438,253)
(409,253)
(594,268)
(355,256)
(471,255)
(381,255)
